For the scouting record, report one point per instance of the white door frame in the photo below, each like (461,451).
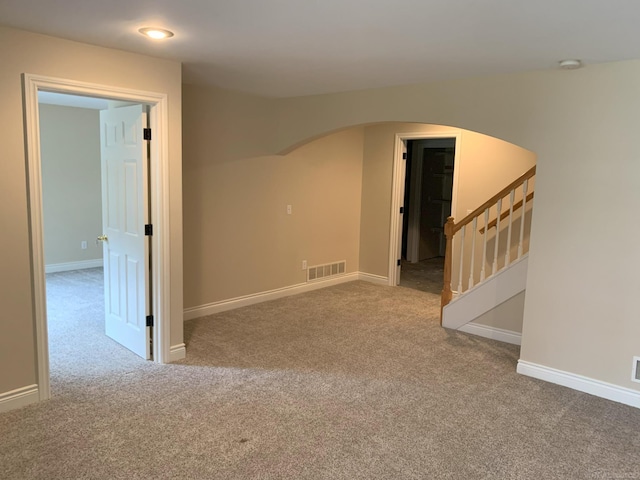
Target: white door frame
(159,197)
(397,192)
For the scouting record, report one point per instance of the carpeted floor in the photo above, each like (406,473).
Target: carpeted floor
(78,347)
(426,275)
(355,381)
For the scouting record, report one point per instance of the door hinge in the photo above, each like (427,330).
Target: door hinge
(398,262)
(149,320)
(146,133)
(401,209)
(404,155)
(148,229)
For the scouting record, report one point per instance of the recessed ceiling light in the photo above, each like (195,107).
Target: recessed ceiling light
(570,64)
(156,33)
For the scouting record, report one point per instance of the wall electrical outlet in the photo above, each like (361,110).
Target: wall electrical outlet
(83,245)
(304,264)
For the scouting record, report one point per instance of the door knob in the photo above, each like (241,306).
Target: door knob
(102,238)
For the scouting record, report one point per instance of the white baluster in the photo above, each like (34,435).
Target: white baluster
(464,227)
(473,250)
(494,267)
(484,244)
(524,210)
(507,256)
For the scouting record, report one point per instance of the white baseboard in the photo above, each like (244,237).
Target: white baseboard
(177,352)
(377,279)
(19,398)
(580,383)
(68,266)
(500,334)
(246,300)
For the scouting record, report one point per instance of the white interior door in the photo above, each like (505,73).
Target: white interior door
(124,215)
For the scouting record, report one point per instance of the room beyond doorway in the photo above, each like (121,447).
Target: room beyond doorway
(428,196)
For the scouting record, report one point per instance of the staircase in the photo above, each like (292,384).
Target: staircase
(486,254)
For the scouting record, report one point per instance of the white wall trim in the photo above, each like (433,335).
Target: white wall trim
(178,352)
(397,191)
(371,278)
(69,266)
(252,299)
(495,333)
(578,382)
(159,191)
(19,397)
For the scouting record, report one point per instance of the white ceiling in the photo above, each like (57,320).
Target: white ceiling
(300,47)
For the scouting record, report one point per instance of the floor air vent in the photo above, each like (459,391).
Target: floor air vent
(320,272)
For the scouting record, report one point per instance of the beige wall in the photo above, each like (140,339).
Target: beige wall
(507,315)
(24,52)
(222,126)
(239,239)
(581,304)
(71,186)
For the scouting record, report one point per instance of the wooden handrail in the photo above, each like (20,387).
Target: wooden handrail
(451,227)
(505,214)
(489,203)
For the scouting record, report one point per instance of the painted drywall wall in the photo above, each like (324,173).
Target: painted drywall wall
(71,186)
(320,179)
(506,316)
(224,126)
(581,306)
(239,239)
(24,52)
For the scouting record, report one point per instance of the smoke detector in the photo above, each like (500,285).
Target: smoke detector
(570,64)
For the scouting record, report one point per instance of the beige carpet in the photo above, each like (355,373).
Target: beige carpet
(355,381)
(426,275)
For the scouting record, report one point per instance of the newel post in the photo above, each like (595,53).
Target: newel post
(447,294)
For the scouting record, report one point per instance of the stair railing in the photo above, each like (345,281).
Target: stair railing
(459,230)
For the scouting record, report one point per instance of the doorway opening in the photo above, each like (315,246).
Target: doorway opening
(425,179)
(73,204)
(158,282)
(428,194)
